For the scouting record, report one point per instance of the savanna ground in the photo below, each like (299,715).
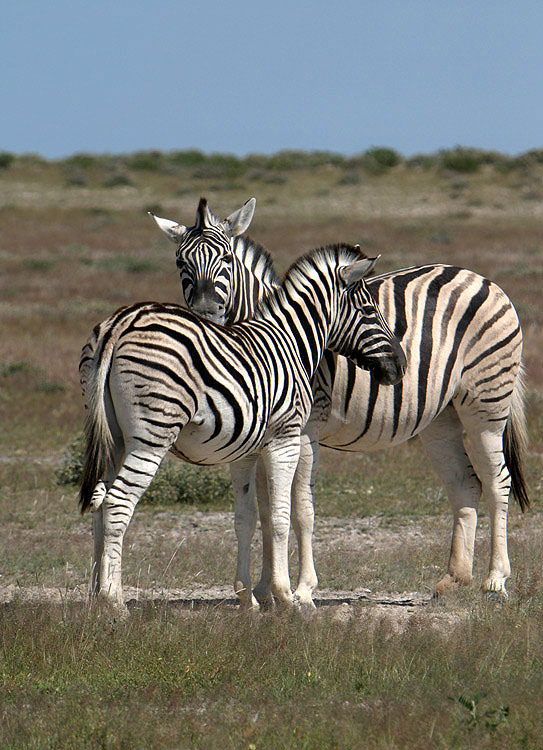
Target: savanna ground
(377,666)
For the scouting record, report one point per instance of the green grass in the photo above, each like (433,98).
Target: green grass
(78,678)
(465,673)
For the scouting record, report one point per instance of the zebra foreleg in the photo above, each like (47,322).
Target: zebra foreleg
(262,590)
(303,516)
(445,449)
(243,483)
(280,457)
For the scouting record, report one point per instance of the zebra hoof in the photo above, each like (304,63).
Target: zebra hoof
(266,603)
(497,596)
(494,588)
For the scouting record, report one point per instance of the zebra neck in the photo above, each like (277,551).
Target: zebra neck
(246,293)
(296,313)
(254,278)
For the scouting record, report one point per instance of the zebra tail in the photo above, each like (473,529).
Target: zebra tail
(515,442)
(98,454)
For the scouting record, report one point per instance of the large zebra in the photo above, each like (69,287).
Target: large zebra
(157,377)
(463,344)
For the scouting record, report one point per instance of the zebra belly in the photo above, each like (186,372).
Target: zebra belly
(365,416)
(220,432)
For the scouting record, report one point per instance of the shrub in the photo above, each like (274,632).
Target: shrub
(374,161)
(148,161)
(422,161)
(117,179)
(189,158)
(220,166)
(191,485)
(461,159)
(81,161)
(385,157)
(288,160)
(350,177)
(71,468)
(173,483)
(6,159)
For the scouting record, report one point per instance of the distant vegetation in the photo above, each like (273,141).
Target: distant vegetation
(374,161)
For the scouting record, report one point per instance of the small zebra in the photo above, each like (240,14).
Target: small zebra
(463,343)
(157,377)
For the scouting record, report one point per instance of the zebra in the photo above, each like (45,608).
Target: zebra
(236,263)
(463,343)
(158,377)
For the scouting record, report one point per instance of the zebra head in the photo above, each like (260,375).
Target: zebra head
(362,334)
(205,258)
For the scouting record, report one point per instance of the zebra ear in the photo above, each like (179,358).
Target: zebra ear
(357,270)
(239,221)
(171,229)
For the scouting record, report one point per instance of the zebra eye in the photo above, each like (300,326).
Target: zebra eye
(227,258)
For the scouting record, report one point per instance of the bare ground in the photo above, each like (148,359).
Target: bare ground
(399,609)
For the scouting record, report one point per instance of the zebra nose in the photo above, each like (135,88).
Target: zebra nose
(394,370)
(210,311)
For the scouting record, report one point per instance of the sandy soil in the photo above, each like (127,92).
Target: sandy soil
(399,609)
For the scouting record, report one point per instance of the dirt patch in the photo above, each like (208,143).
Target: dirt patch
(399,610)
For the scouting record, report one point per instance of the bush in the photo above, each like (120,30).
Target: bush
(190,485)
(384,157)
(189,158)
(148,161)
(6,159)
(71,468)
(173,483)
(350,177)
(293,160)
(422,161)
(375,161)
(220,166)
(461,159)
(81,161)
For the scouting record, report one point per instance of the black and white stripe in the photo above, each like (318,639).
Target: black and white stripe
(215,263)
(463,343)
(157,377)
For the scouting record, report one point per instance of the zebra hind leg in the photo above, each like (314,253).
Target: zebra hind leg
(485,446)
(138,469)
(97,534)
(96,505)
(444,446)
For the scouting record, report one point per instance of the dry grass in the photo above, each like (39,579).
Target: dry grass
(381,676)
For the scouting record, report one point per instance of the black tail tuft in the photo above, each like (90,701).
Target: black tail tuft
(513,459)
(95,464)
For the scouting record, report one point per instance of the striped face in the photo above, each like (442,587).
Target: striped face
(205,261)
(365,338)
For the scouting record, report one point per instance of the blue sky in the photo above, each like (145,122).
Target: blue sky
(257,77)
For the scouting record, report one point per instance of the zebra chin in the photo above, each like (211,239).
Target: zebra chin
(386,370)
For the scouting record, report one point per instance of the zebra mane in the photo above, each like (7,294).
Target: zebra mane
(256,259)
(314,264)
(330,256)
